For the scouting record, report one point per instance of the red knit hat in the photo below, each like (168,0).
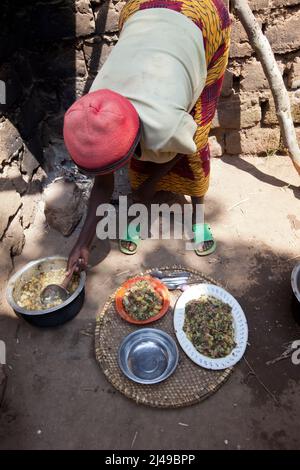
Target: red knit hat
(101,131)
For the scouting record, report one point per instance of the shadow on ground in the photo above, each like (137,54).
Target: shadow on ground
(57,397)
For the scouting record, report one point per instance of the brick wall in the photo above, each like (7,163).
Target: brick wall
(246,121)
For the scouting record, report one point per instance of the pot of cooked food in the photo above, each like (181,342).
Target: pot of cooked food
(295,282)
(24,289)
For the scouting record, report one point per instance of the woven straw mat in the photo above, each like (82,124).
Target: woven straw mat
(189,384)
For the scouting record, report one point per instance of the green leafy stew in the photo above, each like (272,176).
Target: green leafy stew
(208,325)
(142,301)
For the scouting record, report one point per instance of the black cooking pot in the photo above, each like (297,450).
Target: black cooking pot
(51,316)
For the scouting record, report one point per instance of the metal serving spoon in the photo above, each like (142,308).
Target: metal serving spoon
(174,275)
(172,280)
(181,286)
(54,292)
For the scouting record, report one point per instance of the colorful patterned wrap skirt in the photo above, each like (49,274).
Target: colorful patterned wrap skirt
(190,175)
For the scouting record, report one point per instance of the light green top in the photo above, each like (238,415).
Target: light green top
(159,65)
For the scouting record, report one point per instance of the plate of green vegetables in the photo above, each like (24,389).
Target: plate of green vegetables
(210,326)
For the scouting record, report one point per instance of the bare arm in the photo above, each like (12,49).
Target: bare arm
(101,193)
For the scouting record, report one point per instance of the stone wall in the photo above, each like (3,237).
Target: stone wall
(50,52)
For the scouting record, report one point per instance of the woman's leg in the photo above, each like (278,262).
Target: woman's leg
(196,201)
(147,189)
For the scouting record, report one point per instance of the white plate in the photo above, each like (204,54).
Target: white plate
(239,322)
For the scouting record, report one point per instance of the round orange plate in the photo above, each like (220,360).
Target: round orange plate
(158,286)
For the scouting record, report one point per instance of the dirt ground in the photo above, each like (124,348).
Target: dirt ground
(56,395)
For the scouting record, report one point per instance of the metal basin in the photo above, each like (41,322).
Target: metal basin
(148,356)
(51,316)
(295,282)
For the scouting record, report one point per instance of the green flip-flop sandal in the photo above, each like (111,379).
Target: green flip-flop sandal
(202,233)
(132,235)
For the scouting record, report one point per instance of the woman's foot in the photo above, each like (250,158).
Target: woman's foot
(203,240)
(129,242)
(129,246)
(205,246)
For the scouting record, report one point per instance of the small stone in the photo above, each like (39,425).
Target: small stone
(216,147)
(225,442)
